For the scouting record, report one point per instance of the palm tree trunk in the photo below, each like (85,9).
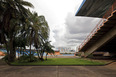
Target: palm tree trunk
(42,52)
(20,50)
(23,51)
(12,51)
(6,46)
(46,55)
(38,54)
(18,53)
(31,43)
(30,51)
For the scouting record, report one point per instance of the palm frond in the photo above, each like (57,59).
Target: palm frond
(25,3)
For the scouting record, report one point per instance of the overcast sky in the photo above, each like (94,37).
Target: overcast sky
(66,29)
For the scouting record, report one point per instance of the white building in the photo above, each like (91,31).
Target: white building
(66,50)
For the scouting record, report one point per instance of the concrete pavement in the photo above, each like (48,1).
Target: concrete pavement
(57,71)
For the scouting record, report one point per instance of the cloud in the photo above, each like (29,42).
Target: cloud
(80,24)
(74,31)
(66,29)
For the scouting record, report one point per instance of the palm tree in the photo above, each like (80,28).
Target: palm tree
(15,21)
(43,34)
(48,48)
(37,31)
(13,16)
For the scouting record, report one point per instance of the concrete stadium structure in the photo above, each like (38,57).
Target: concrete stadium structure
(103,36)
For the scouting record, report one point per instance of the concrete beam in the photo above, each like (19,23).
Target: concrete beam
(101,41)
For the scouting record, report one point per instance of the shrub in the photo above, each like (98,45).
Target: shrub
(28,58)
(5,58)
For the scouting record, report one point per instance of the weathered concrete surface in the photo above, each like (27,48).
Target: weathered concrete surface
(57,71)
(102,41)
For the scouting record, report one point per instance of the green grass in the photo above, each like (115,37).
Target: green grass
(62,61)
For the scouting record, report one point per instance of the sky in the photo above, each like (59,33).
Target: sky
(66,29)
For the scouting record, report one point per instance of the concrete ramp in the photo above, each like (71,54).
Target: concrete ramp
(102,36)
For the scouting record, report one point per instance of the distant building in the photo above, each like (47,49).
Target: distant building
(2,53)
(66,50)
(56,52)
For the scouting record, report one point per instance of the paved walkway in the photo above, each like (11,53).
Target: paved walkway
(57,71)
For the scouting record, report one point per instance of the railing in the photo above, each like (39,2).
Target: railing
(98,26)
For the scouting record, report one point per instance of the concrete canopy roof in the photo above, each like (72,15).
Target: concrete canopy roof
(94,8)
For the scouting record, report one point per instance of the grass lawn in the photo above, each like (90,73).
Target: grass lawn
(62,61)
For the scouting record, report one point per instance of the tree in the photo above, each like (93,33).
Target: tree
(19,28)
(12,17)
(36,32)
(48,48)
(39,32)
